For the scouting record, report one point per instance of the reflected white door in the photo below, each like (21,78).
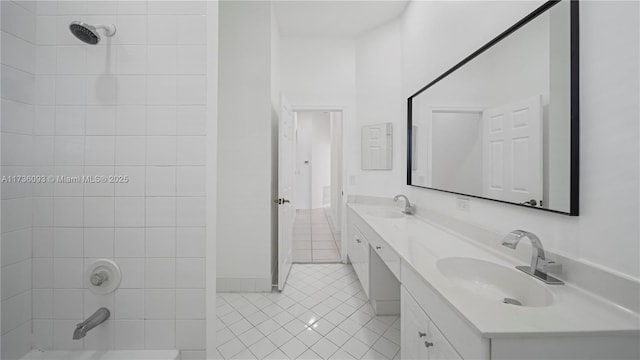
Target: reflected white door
(512,151)
(286,209)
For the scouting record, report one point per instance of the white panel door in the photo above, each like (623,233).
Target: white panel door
(512,151)
(286,209)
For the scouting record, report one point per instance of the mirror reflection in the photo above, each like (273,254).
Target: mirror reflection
(499,126)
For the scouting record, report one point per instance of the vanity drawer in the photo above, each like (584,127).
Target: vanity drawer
(387,254)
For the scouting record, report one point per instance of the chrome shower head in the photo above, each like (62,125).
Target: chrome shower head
(88,33)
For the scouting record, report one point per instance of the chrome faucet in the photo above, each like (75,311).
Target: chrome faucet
(98,317)
(408,208)
(539,263)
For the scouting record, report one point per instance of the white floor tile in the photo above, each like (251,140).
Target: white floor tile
(293,348)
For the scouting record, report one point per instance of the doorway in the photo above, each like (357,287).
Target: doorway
(318,187)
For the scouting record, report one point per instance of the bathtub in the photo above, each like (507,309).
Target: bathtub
(103,355)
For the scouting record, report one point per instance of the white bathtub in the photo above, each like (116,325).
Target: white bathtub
(103,355)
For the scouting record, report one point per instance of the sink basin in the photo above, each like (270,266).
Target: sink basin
(386,213)
(494,282)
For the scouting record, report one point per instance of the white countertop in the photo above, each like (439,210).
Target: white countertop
(421,243)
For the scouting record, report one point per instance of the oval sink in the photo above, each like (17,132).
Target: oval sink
(495,282)
(386,213)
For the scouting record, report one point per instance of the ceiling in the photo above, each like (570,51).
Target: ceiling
(334,18)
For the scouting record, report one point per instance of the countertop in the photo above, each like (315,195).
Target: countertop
(421,242)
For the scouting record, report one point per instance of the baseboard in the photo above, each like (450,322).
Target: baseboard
(243,284)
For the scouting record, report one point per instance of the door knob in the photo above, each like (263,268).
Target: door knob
(281,201)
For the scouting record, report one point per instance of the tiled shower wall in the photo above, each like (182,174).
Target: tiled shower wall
(132,107)
(18,96)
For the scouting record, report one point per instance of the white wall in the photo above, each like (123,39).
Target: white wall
(435,36)
(320,74)
(18,98)
(379,100)
(133,105)
(244,147)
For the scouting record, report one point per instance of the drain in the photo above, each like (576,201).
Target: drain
(511,301)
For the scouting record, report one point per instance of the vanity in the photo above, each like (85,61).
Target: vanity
(452,291)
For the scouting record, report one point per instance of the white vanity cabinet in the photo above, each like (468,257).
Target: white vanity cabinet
(421,338)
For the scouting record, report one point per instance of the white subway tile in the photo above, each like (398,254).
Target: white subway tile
(191,150)
(129,242)
(192,60)
(93,302)
(162,29)
(131,59)
(67,242)
(190,273)
(67,304)
(160,334)
(101,120)
(17,311)
(100,337)
(70,120)
(98,212)
(21,86)
(42,241)
(101,60)
(190,242)
(133,272)
(67,184)
(45,90)
(98,242)
(46,60)
(132,30)
(128,7)
(192,29)
(160,273)
(18,53)
(18,21)
(162,59)
(160,304)
(191,181)
(129,211)
(69,150)
(190,304)
(161,120)
(129,334)
(161,89)
(42,334)
(131,120)
(99,150)
(136,184)
(42,211)
(96,188)
(129,304)
(161,181)
(132,90)
(44,120)
(191,120)
(67,211)
(101,7)
(191,90)
(190,334)
(71,90)
(160,242)
(102,89)
(43,150)
(46,29)
(68,273)
(72,59)
(161,150)
(71,7)
(130,150)
(42,303)
(16,246)
(191,211)
(160,211)
(42,275)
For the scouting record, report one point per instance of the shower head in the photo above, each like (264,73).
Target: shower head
(89,33)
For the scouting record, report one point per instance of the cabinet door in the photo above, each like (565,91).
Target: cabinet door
(414,329)
(440,349)
(364,265)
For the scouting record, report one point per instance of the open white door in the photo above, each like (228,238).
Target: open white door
(512,151)
(286,210)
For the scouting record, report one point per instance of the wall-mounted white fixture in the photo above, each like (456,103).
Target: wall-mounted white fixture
(103,276)
(377,147)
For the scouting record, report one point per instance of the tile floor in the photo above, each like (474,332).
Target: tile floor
(321,314)
(314,238)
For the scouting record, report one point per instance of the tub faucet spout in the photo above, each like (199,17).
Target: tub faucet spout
(98,317)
